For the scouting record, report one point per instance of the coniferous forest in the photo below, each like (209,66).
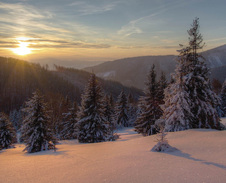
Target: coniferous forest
(45,106)
(103,91)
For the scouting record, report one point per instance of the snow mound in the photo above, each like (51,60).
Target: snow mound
(200,157)
(163,147)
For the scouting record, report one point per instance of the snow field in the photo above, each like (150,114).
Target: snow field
(201,157)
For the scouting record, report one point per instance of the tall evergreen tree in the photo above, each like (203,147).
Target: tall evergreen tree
(204,100)
(109,114)
(223,99)
(177,108)
(121,109)
(92,124)
(162,86)
(7,132)
(192,103)
(69,124)
(132,110)
(150,110)
(64,106)
(16,117)
(35,130)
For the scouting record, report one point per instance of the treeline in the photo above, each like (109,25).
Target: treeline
(19,79)
(61,91)
(94,120)
(79,78)
(187,102)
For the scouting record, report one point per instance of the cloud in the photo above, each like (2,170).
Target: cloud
(23,12)
(71,45)
(139,25)
(85,8)
(129,29)
(20,19)
(135,26)
(40,43)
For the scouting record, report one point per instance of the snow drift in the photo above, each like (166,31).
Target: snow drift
(200,157)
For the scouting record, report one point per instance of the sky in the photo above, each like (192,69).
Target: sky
(104,30)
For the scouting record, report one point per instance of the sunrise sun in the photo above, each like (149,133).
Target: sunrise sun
(23,47)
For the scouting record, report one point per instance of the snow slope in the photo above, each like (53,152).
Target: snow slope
(200,157)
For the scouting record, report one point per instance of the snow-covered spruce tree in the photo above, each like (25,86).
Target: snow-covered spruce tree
(35,129)
(177,108)
(7,132)
(223,99)
(63,108)
(162,85)
(132,110)
(162,142)
(16,117)
(204,101)
(150,110)
(13,118)
(92,123)
(190,101)
(109,114)
(69,124)
(121,109)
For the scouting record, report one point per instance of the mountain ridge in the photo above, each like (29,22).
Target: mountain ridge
(132,71)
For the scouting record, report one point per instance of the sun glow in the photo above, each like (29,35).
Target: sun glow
(23,47)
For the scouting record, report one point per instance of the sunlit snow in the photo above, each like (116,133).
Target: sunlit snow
(200,157)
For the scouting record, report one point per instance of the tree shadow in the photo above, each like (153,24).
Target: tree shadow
(2,150)
(44,153)
(188,156)
(126,134)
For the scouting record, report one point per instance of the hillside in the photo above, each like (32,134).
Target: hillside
(200,157)
(133,71)
(79,78)
(19,79)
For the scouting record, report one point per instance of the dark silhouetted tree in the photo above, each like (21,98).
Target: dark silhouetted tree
(121,111)
(7,132)
(35,130)
(149,104)
(92,123)
(69,124)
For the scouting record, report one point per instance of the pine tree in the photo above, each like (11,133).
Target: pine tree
(7,132)
(121,109)
(223,99)
(190,101)
(64,106)
(204,100)
(132,110)
(35,130)
(109,114)
(177,108)
(92,124)
(16,117)
(69,124)
(162,142)
(149,104)
(162,86)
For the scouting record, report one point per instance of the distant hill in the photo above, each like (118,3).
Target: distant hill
(219,73)
(216,57)
(133,71)
(78,64)
(79,79)
(19,79)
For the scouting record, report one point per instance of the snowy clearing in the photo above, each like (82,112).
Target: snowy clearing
(200,157)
